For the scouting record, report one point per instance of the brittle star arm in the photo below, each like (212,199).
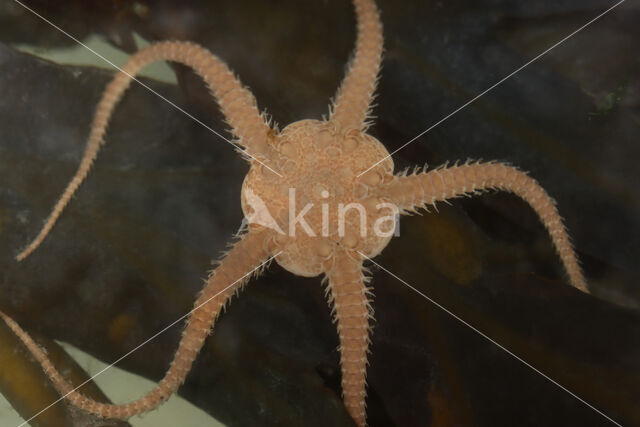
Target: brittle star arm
(419,190)
(351,309)
(236,102)
(352,103)
(247,255)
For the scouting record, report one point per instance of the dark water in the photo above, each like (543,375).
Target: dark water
(129,255)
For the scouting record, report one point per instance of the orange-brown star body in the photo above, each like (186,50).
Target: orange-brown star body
(320,197)
(320,203)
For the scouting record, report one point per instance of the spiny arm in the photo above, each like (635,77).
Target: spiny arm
(353,100)
(230,275)
(351,308)
(236,102)
(416,191)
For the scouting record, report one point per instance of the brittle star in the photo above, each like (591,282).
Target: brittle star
(349,214)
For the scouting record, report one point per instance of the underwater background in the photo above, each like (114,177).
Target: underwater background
(130,252)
